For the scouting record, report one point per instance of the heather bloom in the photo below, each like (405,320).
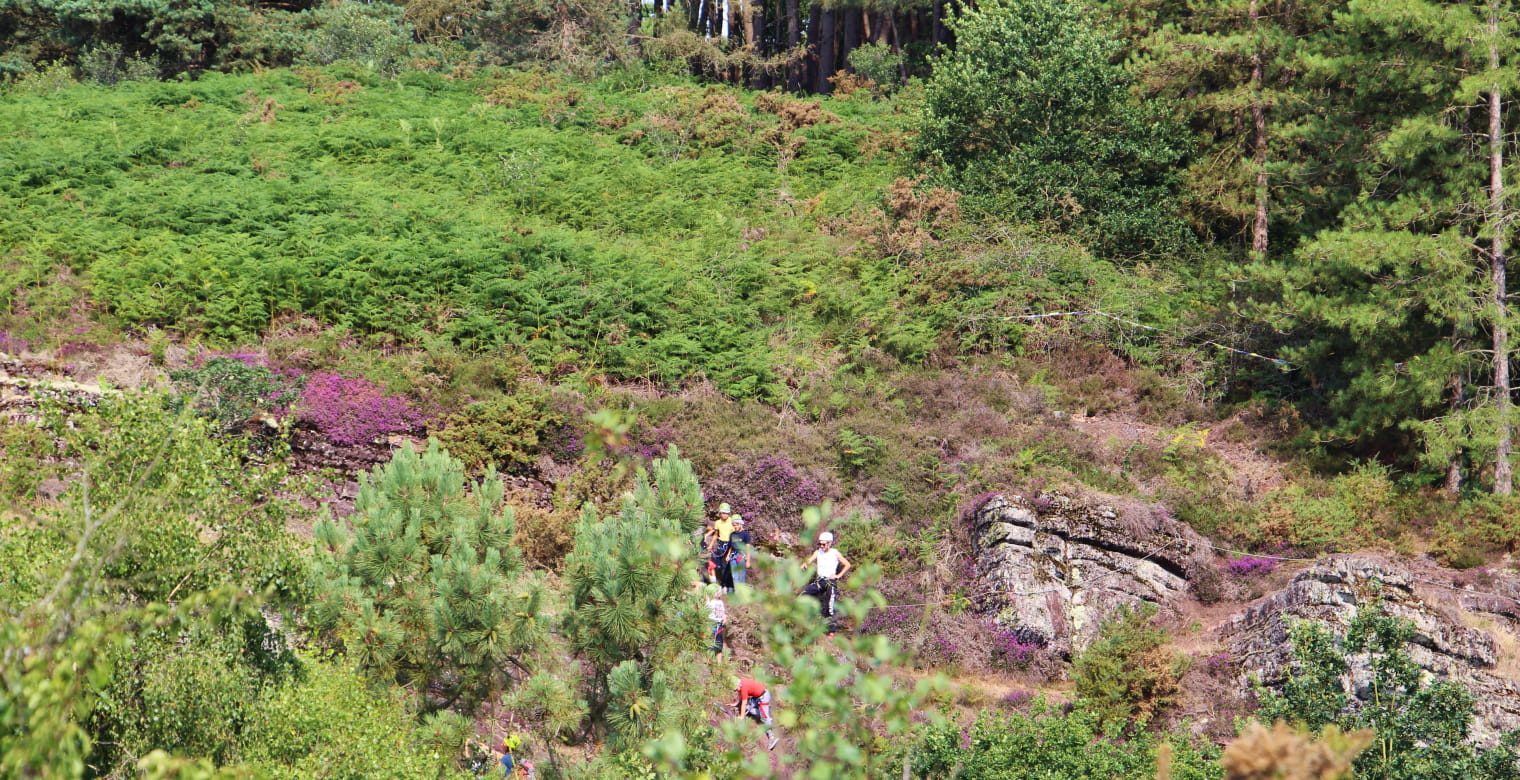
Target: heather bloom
(1216,664)
(352,410)
(1248,565)
(13,344)
(1017,698)
(969,513)
(1013,648)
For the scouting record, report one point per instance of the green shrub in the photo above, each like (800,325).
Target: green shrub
(229,391)
(1421,725)
(106,64)
(1358,508)
(332,724)
(504,432)
(1048,743)
(877,62)
(1130,673)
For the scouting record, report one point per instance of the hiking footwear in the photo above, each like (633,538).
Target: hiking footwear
(772,745)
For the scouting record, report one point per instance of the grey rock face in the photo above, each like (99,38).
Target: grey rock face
(1058,567)
(1330,592)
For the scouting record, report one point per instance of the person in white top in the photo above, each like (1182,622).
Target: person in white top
(832,566)
(717,612)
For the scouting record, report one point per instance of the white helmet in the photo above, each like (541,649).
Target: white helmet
(826,536)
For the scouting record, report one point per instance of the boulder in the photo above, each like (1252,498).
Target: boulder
(1057,567)
(1331,590)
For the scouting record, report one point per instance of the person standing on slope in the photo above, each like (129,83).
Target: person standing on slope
(718,546)
(738,557)
(717,613)
(832,565)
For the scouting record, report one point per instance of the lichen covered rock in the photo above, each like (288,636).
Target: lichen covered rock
(1330,593)
(1057,567)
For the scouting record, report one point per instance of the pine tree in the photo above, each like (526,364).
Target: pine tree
(634,615)
(1404,305)
(425,584)
(1235,70)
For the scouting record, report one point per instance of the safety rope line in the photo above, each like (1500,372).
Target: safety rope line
(1116,318)
(992,591)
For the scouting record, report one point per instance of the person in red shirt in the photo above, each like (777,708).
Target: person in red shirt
(755,701)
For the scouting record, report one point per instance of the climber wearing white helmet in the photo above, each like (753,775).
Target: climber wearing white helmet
(832,566)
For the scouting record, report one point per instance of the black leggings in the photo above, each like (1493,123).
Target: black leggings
(825,591)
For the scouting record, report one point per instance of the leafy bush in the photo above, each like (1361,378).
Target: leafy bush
(106,64)
(330,723)
(1421,727)
(1347,511)
(1031,113)
(353,410)
(229,390)
(504,432)
(1046,742)
(1131,672)
(877,62)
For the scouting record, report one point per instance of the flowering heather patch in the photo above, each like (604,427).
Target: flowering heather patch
(353,410)
(1013,648)
(13,344)
(976,505)
(893,621)
(1218,664)
(564,442)
(769,488)
(1017,699)
(649,443)
(1249,565)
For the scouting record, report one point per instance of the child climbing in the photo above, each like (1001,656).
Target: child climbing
(755,702)
(719,541)
(738,556)
(717,612)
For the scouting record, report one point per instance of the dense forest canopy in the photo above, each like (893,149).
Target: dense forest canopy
(371,375)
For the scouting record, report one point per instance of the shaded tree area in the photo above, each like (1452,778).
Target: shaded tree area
(798,45)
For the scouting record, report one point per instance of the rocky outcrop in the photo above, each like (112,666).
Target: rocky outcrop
(1058,567)
(1330,592)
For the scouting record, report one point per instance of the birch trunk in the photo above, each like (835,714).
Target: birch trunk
(1503,476)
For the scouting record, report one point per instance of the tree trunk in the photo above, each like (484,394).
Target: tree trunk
(902,65)
(825,49)
(941,34)
(794,71)
(1454,469)
(853,28)
(1259,158)
(1503,477)
(814,25)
